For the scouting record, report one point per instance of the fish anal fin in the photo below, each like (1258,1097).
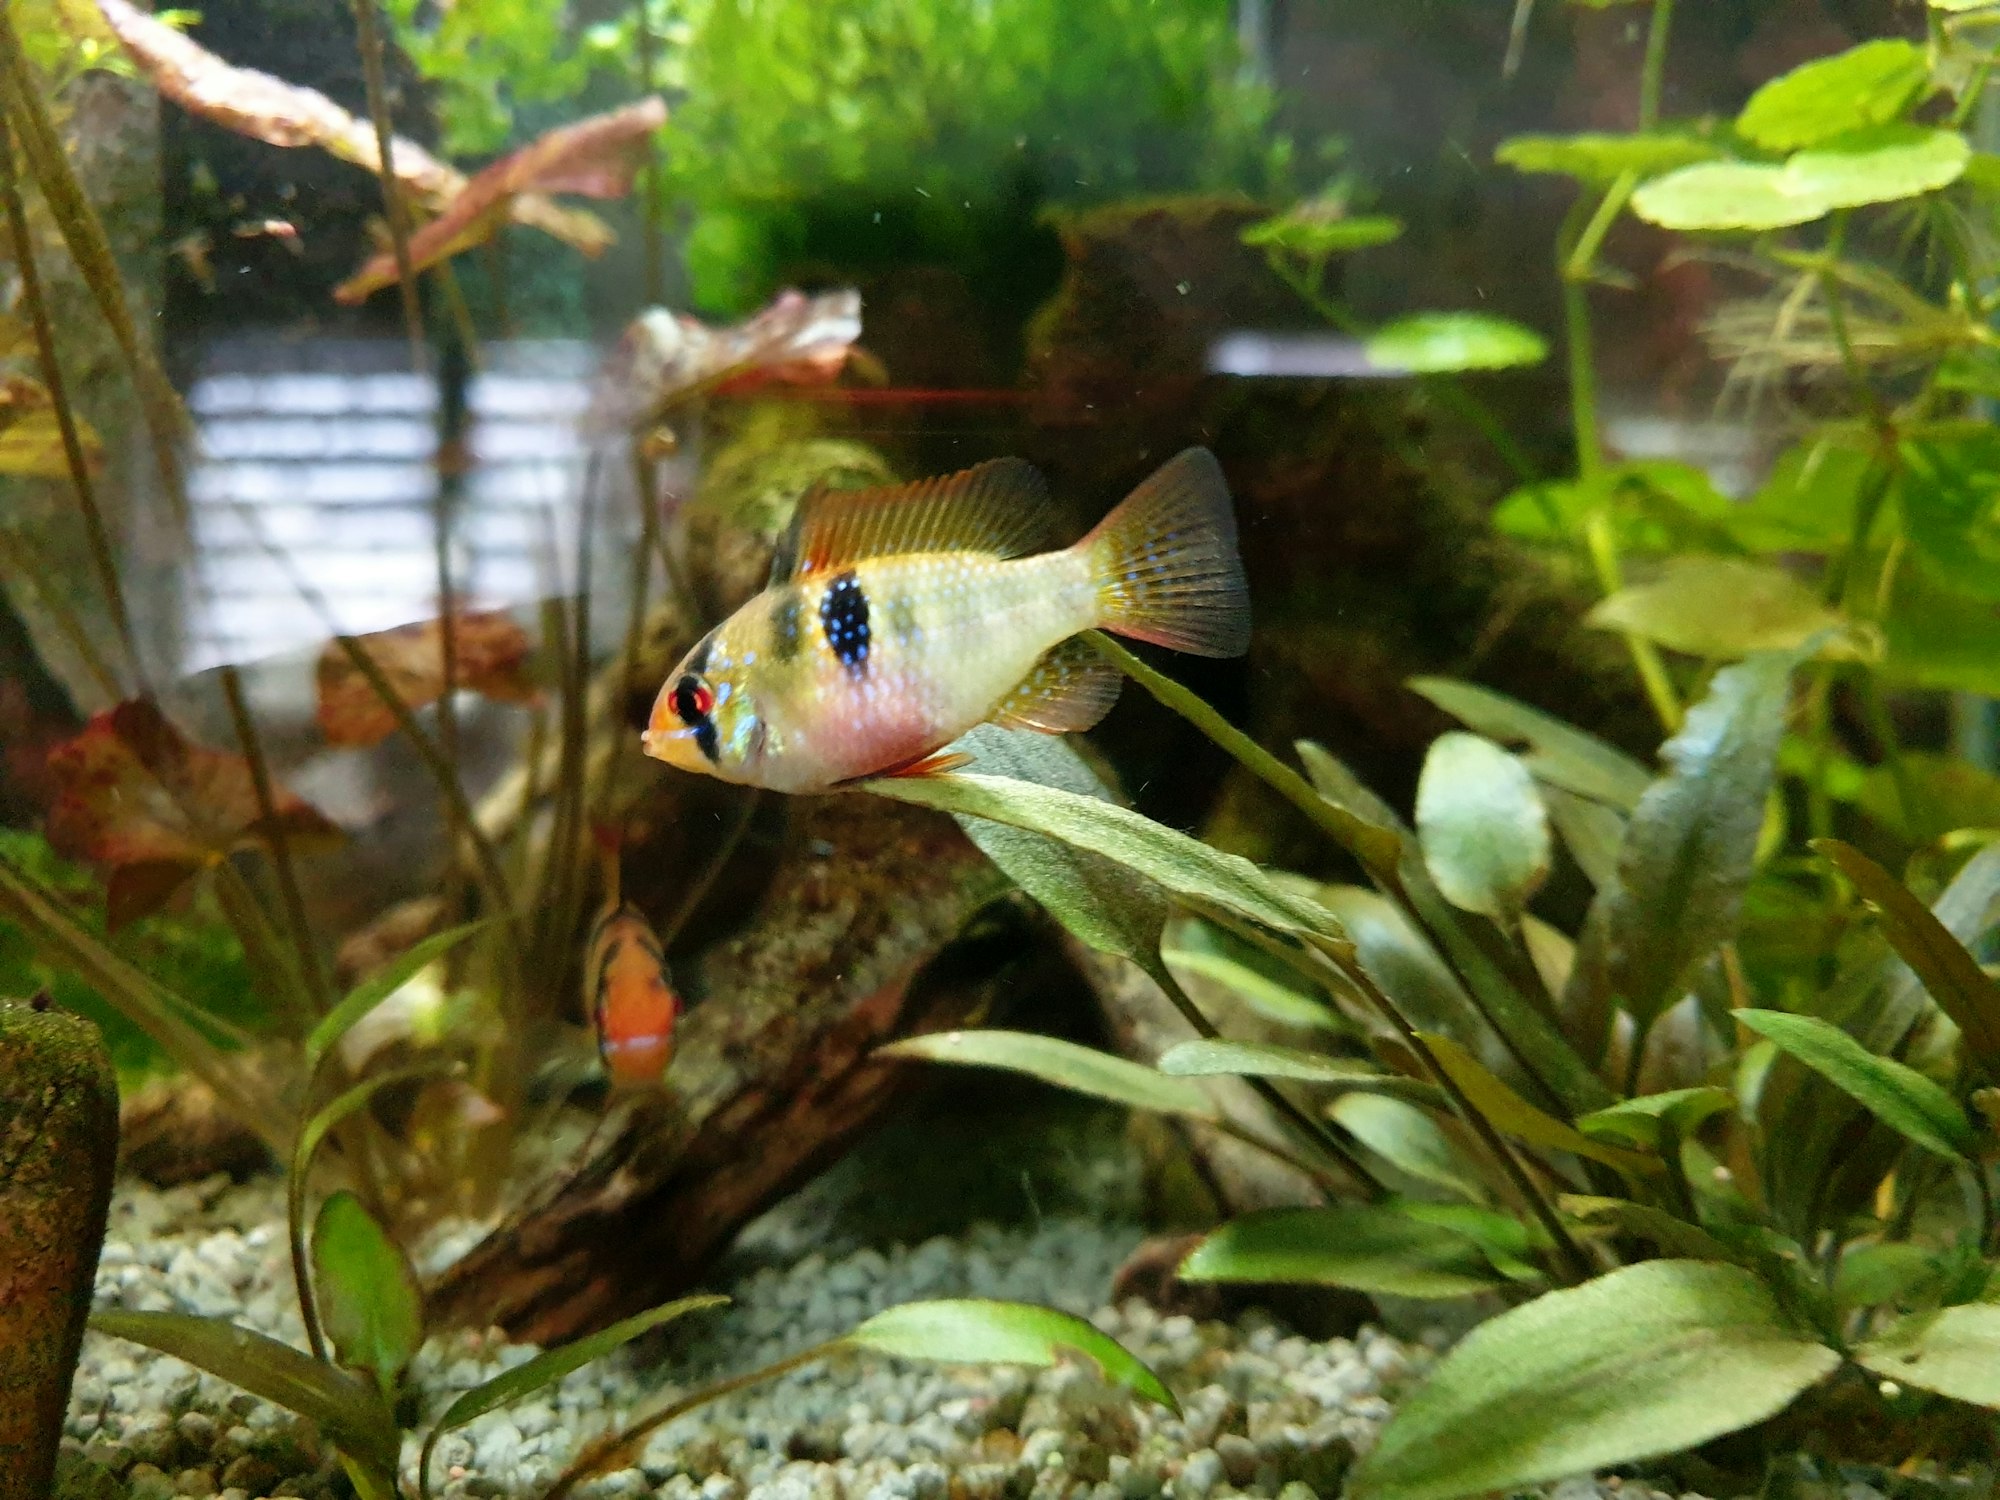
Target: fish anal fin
(1001,507)
(1069,690)
(937,763)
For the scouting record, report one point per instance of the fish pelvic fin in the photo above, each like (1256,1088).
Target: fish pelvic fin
(1165,562)
(1069,690)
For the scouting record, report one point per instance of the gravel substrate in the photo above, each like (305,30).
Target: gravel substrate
(1262,1410)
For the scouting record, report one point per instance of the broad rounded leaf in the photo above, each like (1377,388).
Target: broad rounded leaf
(1647,1360)
(1871,84)
(1082,1070)
(1409,1140)
(1720,607)
(1557,753)
(1726,195)
(968,1330)
(1438,343)
(1482,828)
(368,1295)
(1955,1352)
(1883,165)
(348,1411)
(1895,1093)
(1948,489)
(1369,1248)
(1597,157)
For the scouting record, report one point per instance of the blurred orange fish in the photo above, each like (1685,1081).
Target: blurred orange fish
(632,1001)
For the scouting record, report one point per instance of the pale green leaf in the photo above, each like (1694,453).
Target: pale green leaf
(1651,1359)
(1871,84)
(1882,165)
(1726,195)
(1600,158)
(1644,1121)
(1483,830)
(1316,235)
(1082,1070)
(1439,343)
(966,1330)
(1515,1116)
(1204,1058)
(1677,1237)
(1954,1351)
(1368,1248)
(1557,753)
(1720,607)
(347,1410)
(1409,1140)
(1894,1271)
(1270,998)
(1895,1093)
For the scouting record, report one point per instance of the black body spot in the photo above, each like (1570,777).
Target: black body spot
(843,615)
(785,627)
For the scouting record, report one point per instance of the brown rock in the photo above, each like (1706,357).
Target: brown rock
(58,1151)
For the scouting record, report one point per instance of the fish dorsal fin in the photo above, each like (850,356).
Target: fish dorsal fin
(1069,690)
(1001,507)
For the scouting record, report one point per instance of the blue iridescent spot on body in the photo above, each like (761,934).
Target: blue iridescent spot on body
(843,616)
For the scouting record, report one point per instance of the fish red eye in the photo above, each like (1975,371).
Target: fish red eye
(692,700)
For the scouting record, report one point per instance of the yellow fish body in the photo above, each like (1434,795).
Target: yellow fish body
(897,619)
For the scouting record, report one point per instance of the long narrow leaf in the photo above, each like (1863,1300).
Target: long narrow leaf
(1202,1058)
(379,986)
(347,1410)
(1515,1116)
(1895,1093)
(1082,1070)
(1951,974)
(1369,1248)
(1558,753)
(548,1367)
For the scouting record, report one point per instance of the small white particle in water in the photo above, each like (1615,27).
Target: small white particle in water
(1723,1174)
(1890,1390)
(922,194)
(1181,287)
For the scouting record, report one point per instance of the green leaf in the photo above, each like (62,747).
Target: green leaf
(1946,489)
(1082,1070)
(1270,998)
(368,1297)
(1952,975)
(1314,236)
(1808,501)
(379,986)
(548,1367)
(1409,1140)
(1726,195)
(1720,607)
(1369,1248)
(1399,960)
(1871,84)
(1644,1121)
(1656,1226)
(1893,1271)
(1954,1351)
(1593,832)
(1924,795)
(1895,1093)
(1601,159)
(1095,898)
(1511,1114)
(1651,1359)
(1692,843)
(1439,343)
(1202,1058)
(1483,831)
(964,1331)
(348,1411)
(1885,164)
(1557,753)
(1182,865)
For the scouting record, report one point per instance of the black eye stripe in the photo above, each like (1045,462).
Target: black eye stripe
(685,704)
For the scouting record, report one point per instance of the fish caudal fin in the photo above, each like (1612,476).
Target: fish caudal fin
(1070,689)
(1165,562)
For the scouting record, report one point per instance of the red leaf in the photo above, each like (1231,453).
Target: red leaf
(269,109)
(149,809)
(594,158)
(492,659)
(665,357)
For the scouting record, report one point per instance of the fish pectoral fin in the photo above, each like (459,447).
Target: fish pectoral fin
(937,763)
(1069,689)
(1001,507)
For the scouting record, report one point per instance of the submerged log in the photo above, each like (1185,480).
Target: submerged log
(849,947)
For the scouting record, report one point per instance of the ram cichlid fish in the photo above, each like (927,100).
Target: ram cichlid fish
(633,1005)
(897,619)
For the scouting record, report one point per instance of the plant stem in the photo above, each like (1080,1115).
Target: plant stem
(368,34)
(315,974)
(653,239)
(1652,74)
(98,534)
